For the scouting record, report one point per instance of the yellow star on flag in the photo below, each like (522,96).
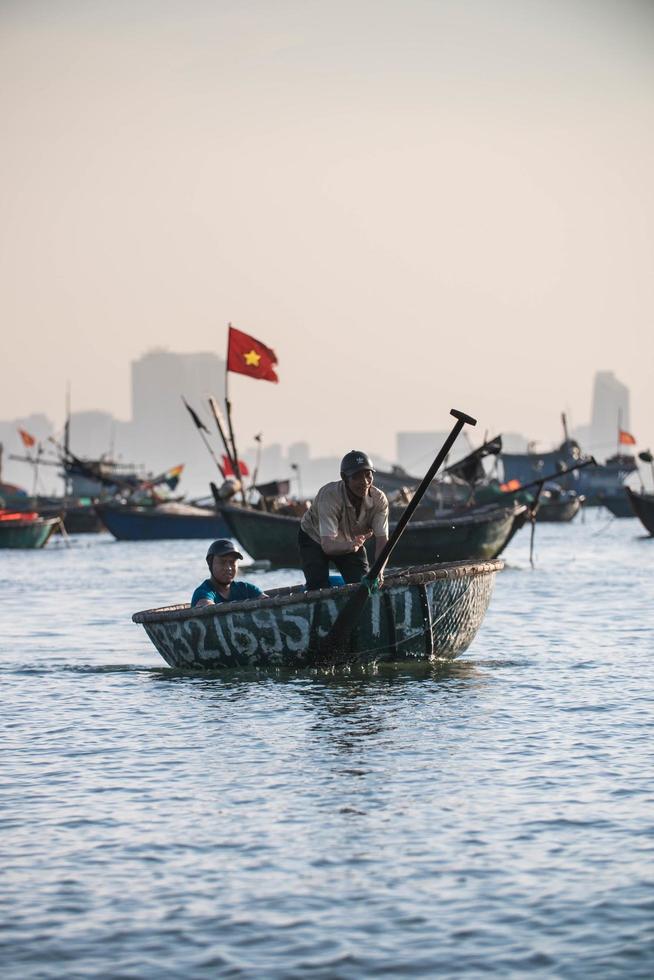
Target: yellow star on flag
(252,358)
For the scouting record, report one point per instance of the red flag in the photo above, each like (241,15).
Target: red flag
(228,469)
(245,355)
(626,438)
(511,485)
(28,440)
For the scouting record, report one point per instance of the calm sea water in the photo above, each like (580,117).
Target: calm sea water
(494,816)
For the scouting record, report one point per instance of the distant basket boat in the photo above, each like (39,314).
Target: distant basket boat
(477,534)
(27,533)
(161,522)
(643,506)
(420,613)
(558,509)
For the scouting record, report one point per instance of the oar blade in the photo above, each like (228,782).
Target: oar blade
(334,648)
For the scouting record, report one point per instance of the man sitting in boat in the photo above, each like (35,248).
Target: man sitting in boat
(221,587)
(343,515)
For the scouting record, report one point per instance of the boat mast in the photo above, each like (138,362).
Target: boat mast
(564,422)
(67,480)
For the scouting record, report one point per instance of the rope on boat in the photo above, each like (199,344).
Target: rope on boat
(64,532)
(371,586)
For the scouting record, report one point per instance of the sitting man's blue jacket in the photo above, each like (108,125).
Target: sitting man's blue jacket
(238,592)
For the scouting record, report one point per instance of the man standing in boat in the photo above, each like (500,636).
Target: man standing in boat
(342,517)
(221,587)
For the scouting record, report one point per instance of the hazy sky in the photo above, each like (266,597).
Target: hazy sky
(418,204)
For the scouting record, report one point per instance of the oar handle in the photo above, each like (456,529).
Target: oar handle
(462,419)
(466,419)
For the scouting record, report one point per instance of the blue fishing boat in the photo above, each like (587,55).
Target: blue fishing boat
(160,522)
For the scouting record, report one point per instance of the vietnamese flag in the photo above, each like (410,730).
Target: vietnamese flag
(626,438)
(245,355)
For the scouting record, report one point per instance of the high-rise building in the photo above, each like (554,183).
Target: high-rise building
(610,411)
(416,450)
(163,432)
(161,377)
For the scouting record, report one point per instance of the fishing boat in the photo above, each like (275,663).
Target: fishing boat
(618,503)
(455,487)
(557,506)
(480,533)
(160,522)
(592,482)
(77,513)
(643,507)
(419,613)
(21,530)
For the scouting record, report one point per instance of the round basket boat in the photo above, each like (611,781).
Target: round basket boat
(420,613)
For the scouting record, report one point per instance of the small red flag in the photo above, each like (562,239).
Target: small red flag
(510,485)
(626,438)
(245,355)
(28,440)
(228,469)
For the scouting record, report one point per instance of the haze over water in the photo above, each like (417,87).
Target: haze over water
(416,205)
(490,816)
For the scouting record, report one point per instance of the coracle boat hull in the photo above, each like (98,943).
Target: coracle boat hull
(643,507)
(421,613)
(558,511)
(481,533)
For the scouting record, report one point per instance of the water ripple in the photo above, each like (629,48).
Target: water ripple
(489,816)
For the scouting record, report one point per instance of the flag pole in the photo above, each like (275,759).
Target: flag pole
(228,407)
(37,458)
(619,426)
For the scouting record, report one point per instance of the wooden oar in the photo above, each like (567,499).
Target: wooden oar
(335,643)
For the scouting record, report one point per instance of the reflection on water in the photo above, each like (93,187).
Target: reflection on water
(491,814)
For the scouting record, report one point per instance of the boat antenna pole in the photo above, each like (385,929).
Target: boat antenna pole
(68,488)
(257,462)
(201,427)
(221,425)
(296,467)
(564,422)
(228,408)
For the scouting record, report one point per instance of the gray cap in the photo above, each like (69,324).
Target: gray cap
(355,461)
(223,546)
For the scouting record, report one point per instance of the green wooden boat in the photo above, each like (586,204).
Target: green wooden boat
(459,536)
(28,533)
(618,503)
(421,613)
(643,507)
